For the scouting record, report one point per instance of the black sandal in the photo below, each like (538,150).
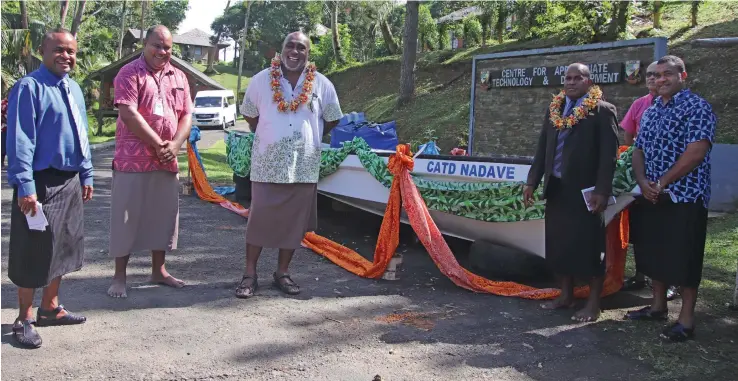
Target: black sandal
(288,286)
(25,335)
(247,291)
(48,318)
(647,314)
(678,333)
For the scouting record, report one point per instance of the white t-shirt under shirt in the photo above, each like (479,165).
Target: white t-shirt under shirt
(286,146)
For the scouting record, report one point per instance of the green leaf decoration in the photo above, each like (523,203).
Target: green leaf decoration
(491,202)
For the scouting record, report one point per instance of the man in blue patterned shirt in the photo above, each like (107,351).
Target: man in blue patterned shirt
(672,165)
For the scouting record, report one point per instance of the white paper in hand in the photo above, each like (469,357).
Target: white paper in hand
(587,195)
(39,221)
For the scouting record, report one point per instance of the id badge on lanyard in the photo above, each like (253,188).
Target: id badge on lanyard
(159,104)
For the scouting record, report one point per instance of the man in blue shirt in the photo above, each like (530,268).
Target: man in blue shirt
(50,170)
(672,154)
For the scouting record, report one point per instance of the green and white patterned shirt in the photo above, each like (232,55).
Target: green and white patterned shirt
(286,146)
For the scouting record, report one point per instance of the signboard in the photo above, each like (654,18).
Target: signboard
(601,73)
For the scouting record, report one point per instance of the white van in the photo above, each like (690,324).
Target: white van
(214,108)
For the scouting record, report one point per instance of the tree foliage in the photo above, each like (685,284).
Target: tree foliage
(472,31)
(427,31)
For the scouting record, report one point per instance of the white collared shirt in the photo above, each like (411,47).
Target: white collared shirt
(286,146)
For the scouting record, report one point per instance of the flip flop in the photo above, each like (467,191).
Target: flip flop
(678,333)
(647,314)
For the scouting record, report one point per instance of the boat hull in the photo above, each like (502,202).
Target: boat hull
(351,184)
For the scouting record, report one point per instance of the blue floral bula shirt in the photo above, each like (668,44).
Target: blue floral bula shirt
(666,130)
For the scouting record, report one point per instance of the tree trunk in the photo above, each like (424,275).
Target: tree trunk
(122,29)
(389,40)
(657,8)
(619,21)
(485,31)
(78,17)
(409,52)
(214,50)
(24,25)
(500,25)
(63,13)
(249,3)
(24,15)
(695,10)
(340,60)
(143,23)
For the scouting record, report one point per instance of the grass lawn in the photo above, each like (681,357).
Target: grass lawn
(108,130)
(712,355)
(214,160)
(228,76)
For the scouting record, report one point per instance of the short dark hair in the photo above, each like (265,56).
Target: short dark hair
(47,35)
(153,29)
(284,42)
(583,69)
(672,60)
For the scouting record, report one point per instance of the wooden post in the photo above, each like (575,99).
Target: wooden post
(735,292)
(101,97)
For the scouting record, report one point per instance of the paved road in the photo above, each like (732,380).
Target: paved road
(340,328)
(208,137)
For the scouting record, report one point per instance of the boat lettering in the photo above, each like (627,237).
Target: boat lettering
(488,171)
(445,167)
(473,170)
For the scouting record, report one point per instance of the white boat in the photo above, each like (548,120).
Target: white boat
(353,185)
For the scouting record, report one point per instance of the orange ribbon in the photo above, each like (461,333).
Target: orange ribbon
(203,188)
(403,190)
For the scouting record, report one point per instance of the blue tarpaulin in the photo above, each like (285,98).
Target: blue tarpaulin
(377,135)
(430,148)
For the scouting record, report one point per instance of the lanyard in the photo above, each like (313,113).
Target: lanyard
(158,84)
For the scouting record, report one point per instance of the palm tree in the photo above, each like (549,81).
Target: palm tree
(18,46)
(380,12)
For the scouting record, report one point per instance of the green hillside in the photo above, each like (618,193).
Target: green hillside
(443,78)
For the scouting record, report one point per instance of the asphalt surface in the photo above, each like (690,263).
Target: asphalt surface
(342,327)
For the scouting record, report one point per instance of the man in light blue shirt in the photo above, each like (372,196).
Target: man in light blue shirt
(50,170)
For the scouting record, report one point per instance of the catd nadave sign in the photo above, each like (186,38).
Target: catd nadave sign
(601,73)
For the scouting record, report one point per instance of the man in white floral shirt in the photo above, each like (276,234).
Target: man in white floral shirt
(289,106)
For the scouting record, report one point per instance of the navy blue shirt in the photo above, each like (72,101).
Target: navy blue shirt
(666,130)
(41,130)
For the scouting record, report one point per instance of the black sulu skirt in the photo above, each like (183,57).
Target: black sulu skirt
(669,240)
(35,258)
(575,237)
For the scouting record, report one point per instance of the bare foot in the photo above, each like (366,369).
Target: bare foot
(587,314)
(118,288)
(167,280)
(561,302)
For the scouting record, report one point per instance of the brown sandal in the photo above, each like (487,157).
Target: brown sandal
(245,291)
(288,286)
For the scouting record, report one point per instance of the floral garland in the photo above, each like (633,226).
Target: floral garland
(579,113)
(307,86)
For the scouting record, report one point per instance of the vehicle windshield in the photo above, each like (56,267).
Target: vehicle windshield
(208,102)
